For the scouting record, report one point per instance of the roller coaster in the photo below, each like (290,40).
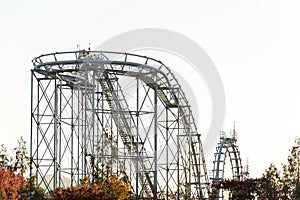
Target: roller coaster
(125,111)
(227,147)
(80,108)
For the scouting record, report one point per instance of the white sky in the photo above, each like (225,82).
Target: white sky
(254,44)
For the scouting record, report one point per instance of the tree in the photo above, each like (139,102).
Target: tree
(5,159)
(18,163)
(15,167)
(271,185)
(21,161)
(285,186)
(239,189)
(290,178)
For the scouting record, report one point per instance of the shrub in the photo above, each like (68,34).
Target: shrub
(10,184)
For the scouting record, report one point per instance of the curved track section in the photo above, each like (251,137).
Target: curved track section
(227,147)
(127,114)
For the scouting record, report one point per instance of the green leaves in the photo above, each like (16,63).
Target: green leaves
(5,159)
(284,185)
(19,162)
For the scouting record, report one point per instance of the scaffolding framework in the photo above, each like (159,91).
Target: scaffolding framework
(125,111)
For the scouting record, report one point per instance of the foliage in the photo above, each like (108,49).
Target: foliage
(115,187)
(32,191)
(104,185)
(290,178)
(284,186)
(78,192)
(18,163)
(21,161)
(246,189)
(115,184)
(100,171)
(272,185)
(262,188)
(12,170)
(109,188)
(10,184)
(104,149)
(5,159)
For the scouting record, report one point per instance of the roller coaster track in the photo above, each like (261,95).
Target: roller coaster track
(227,147)
(75,72)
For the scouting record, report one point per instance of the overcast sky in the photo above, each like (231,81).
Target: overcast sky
(254,44)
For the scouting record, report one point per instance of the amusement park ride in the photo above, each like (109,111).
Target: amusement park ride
(127,112)
(228,147)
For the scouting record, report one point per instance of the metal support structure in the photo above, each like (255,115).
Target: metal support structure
(124,111)
(227,147)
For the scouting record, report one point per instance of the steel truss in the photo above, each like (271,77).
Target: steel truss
(125,111)
(227,147)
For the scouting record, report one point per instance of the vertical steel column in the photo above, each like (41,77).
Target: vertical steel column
(118,160)
(178,148)
(55,133)
(72,136)
(79,128)
(59,119)
(85,121)
(99,131)
(31,134)
(102,119)
(190,152)
(93,117)
(199,173)
(137,139)
(111,143)
(167,153)
(92,143)
(37,128)
(155,137)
